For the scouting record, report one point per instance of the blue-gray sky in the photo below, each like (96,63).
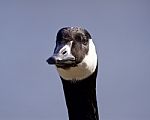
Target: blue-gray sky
(31,90)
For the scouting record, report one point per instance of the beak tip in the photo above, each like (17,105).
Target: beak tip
(51,60)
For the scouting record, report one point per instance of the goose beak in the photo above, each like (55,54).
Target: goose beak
(57,59)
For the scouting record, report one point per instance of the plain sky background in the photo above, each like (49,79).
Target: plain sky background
(30,89)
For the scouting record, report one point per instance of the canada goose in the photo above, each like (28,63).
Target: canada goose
(76,62)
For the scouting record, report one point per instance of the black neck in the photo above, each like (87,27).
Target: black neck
(81,98)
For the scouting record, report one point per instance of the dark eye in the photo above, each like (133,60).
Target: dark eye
(85,41)
(80,38)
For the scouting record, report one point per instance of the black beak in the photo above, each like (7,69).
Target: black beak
(61,61)
(51,60)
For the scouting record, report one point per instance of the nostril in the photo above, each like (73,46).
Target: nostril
(51,60)
(64,52)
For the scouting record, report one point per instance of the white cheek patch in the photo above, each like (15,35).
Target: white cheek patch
(84,69)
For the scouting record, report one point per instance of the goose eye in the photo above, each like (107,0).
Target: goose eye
(84,41)
(80,38)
